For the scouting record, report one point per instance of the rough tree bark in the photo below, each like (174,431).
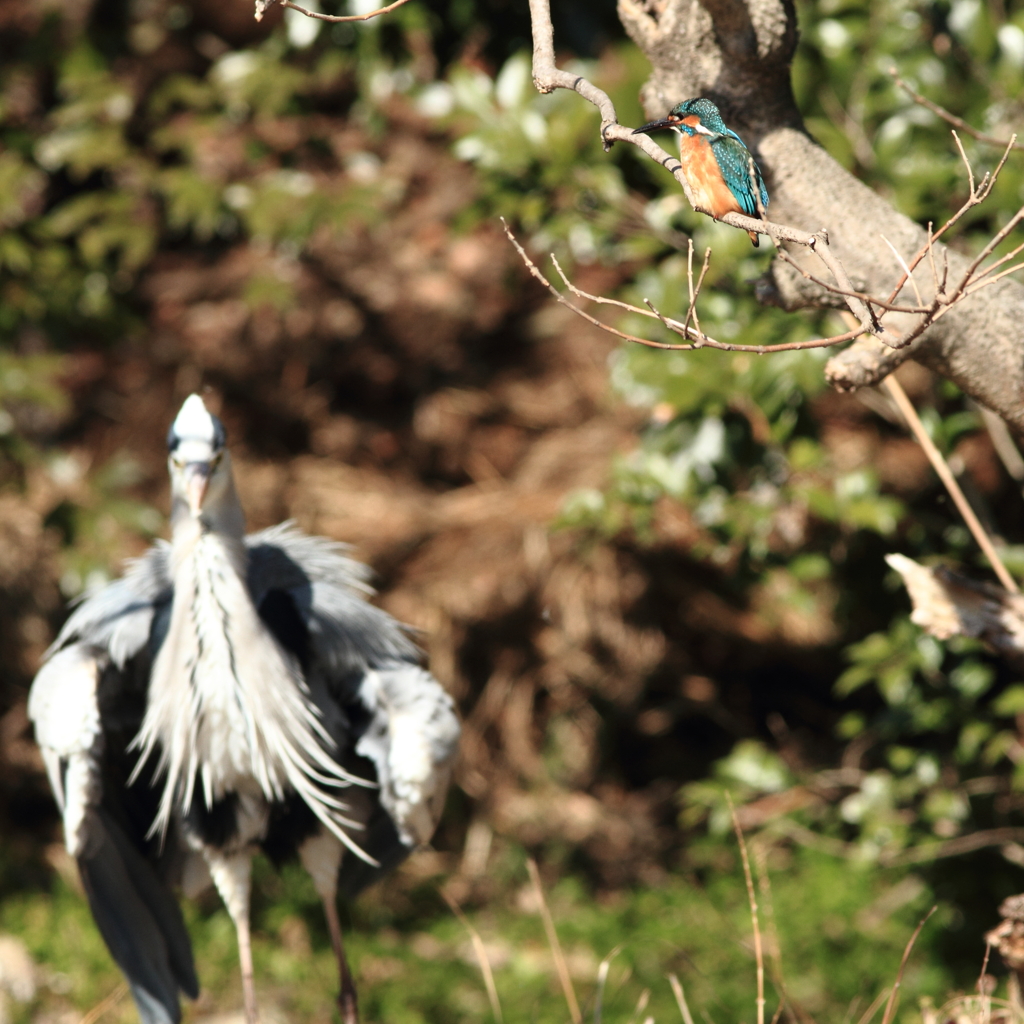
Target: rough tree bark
(737,53)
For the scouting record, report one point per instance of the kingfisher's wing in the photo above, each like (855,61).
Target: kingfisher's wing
(389,717)
(734,161)
(86,704)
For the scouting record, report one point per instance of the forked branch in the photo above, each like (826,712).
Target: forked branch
(864,307)
(696,338)
(870,311)
(262,5)
(547,77)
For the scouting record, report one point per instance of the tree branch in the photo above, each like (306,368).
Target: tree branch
(738,54)
(262,5)
(949,118)
(547,77)
(947,604)
(697,337)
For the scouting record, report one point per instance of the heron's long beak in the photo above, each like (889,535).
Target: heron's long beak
(653,126)
(196,478)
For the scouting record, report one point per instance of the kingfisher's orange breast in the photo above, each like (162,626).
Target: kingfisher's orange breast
(705,178)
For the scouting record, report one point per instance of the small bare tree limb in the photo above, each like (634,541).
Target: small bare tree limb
(946,116)
(698,338)
(890,1006)
(547,77)
(945,474)
(262,5)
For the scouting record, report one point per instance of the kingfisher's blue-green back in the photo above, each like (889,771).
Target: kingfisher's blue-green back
(733,157)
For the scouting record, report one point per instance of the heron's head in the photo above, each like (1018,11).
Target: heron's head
(199,463)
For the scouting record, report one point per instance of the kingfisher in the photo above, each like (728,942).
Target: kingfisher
(716,162)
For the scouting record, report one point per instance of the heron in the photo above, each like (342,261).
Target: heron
(231,694)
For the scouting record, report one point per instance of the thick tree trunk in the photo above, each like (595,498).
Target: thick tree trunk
(737,53)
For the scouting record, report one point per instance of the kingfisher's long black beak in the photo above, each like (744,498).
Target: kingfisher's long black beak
(653,126)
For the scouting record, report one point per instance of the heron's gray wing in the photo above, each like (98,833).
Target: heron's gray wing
(363,674)
(410,733)
(134,909)
(412,738)
(118,618)
(329,591)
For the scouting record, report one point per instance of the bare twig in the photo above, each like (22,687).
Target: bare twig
(699,338)
(547,77)
(923,853)
(692,310)
(481,955)
(1002,441)
(977,196)
(890,1007)
(333,18)
(108,1003)
(972,280)
(870,1012)
(906,270)
(684,1006)
(752,896)
(602,980)
(556,946)
(946,115)
(1002,259)
(983,995)
(873,300)
(963,156)
(928,852)
(941,467)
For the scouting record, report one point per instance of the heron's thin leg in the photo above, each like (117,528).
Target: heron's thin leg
(321,856)
(347,1000)
(252,1013)
(232,874)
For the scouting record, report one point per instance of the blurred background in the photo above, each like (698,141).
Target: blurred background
(648,578)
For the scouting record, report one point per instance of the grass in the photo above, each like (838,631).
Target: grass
(840,931)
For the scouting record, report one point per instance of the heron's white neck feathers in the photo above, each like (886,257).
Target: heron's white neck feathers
(228,706)
(222,511)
